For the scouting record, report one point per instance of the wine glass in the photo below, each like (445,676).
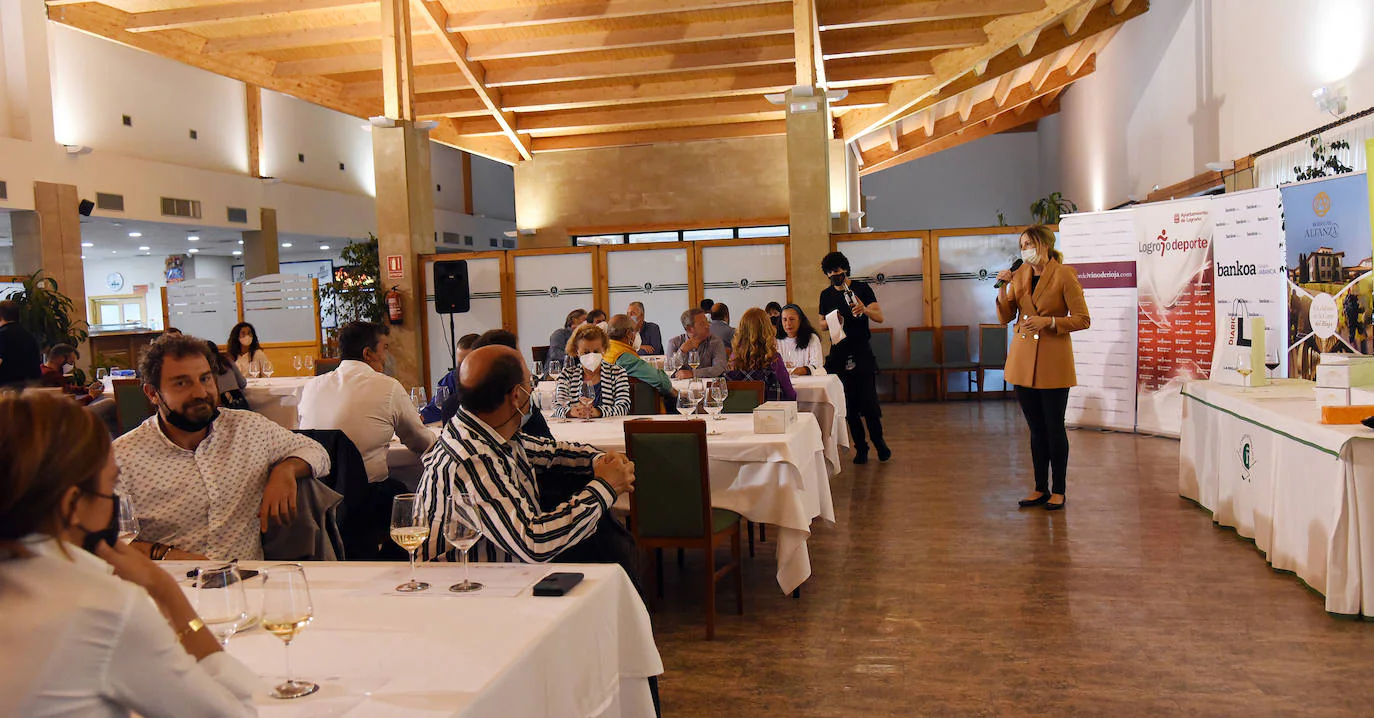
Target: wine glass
(101,373)
(220,600)
(1271,361)
(720,390)
(536,371)
(686,403)
(570,364)
(552,370)
(441,395)
(560,407)
(462,531)
(286,611)
(297,363)
(410,530)
(128,522)
(417,397)
(309,363)
(670,365)
(587,397)
(694,360)
(254,369)
(714,406)
(267,368)
(1244,369)
(697,388)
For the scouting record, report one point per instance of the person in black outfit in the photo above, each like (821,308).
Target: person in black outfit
(852,358)
(21,361)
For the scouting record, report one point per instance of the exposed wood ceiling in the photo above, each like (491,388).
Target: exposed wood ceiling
(508,79)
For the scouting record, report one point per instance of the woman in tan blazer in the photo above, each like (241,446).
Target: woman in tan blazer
(1045,299)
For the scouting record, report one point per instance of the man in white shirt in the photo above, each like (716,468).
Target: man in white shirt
(362,402)
(205,481)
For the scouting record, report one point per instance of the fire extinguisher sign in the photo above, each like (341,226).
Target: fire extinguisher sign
(395,266)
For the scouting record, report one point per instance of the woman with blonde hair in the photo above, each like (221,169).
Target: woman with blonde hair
(91,626)
(1045,300)
(610,385)
(756,357)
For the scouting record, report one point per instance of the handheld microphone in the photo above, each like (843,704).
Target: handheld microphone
(1014,266)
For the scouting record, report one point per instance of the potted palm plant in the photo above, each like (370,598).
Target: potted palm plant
(1049,209)
(46,312)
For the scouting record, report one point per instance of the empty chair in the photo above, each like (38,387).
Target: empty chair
(992,352)
(131,404)
(885,354)
(921,357)
(644,399)
(540,354)
(324,365)
(744,396)
(955,357)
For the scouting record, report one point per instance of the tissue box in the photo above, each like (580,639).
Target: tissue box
(1330,396)
(775,417)
(1344,376)
(1361,396)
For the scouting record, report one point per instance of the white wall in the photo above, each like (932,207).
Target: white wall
(446,168)
(324,137)
(961,187)
(493,189)
(1193,81)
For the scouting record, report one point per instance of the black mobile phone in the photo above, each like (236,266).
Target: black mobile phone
(557,584)
(217,581)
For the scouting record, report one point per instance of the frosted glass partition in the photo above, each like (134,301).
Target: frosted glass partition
(744,276)
(206,308)
(281,307)
(657,278)
(893,268)
(547,287)
(968,269)
(484,286)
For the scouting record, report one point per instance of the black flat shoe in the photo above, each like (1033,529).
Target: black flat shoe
(884,453)
(1056,507)
(1044,497)
(861,457)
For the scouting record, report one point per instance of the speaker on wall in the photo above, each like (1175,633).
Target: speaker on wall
(85,207)
(451,287)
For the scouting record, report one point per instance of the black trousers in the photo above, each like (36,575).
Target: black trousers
(861,406)
(1044,411)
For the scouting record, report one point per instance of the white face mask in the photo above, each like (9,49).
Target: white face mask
(591,361)
(246,341)
(67,368)
(1030,255)
(637,343)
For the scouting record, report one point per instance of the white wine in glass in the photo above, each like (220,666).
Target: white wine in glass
(410,530)
(462,531)
(286,611)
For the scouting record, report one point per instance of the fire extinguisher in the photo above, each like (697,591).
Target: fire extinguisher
(393,306)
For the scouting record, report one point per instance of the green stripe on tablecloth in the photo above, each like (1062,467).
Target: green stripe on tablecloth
(1248,420)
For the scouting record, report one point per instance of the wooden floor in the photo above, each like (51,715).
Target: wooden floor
(935,595)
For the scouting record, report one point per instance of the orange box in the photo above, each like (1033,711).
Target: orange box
(1346,414)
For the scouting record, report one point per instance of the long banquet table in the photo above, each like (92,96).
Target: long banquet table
(377,653)
(1262,463)
(277,398)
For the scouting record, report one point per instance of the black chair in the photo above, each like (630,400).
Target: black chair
(365,516)
(992,353)
(954,358)
(324,365)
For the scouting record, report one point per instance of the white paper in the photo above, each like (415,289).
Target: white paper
(832,322)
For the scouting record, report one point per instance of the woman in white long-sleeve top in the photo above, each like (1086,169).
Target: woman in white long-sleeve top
(91,626)
(801,345)
(610,384)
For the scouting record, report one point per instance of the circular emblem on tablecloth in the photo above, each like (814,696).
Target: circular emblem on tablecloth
(1246,453)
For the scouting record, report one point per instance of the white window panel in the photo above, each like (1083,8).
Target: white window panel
(484,287)
(893,268)
(744,276)
(656,277)
(547,287)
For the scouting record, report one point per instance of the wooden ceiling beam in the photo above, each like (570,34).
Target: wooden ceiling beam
(880,159)
(1119,6)
(295,39)
(496,148)
(181,18)
(361,62)
(725,110)
(559,13)
(437,18)
(804,41)
(1085,49)
(846,15)
(646,137)
(449,104)
(1073,19)
(427,81)
(657,35)
(1003,88)
(1011,59)
(1027,43)
(1042,72)
(870,71)
(657,64)
(906,38)
(746,81)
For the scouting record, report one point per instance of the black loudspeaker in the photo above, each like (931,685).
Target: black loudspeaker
(86,207)
(451,287)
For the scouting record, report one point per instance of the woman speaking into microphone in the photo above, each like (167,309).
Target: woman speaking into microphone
(1045,300)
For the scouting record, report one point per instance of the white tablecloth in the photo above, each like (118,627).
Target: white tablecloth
(277,398)
(1262,462)
(378,653)
(777,479)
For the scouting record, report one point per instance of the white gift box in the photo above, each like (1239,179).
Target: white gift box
(1361,396)
(774,417)
(1346,375)
(1332,396)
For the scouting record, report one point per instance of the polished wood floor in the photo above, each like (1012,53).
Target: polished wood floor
(934,595)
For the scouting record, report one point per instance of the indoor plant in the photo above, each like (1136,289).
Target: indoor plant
(46,312)
(353,294)
(1049,209)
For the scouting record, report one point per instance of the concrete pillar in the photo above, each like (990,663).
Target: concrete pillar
(405,228)
(808,177)
(261,247)
(49,238)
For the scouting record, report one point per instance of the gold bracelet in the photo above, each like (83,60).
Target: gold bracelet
(193,625)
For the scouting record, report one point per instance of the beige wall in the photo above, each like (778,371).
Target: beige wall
(690,184)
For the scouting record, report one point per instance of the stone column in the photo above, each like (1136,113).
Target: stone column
(405,229)
(260,247)
(49,238)
(808,175)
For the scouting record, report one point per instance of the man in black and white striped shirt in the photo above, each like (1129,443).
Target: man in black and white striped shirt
(481,452)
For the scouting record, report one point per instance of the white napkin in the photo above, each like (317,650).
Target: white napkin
(832,322)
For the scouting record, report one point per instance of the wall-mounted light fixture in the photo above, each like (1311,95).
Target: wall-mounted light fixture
(1222,166)
(1331,100)
(74,150)
(381,121)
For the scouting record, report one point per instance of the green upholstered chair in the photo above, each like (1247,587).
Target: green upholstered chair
(671,504)
(644,400)
(992,352)
(131,405)
(744,397)
(921,357)
(885,354)
(324,366)
(954,357)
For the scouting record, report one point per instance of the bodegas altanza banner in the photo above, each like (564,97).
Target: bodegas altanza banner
(1330,284)
(1174,277)
(1248,250)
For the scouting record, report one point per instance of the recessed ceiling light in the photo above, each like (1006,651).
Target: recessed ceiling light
(88,244)
(237,252)
(240,241)
(143,249)
(193,250)
(135,235)
(114,251)
(286,245)
(116,224)
(83,256)
(324,247)
(193,238)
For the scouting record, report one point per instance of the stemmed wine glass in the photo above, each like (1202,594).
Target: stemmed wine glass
(1244,369)
(551,370)
(441,395)
(462,531)
(297,363)
(309,363)
(410,530)
(254,369)
(1271,361)
(694,360)
(128,522)
(714,406)
(587,397)
(286,611)
(267,368)
(720,390)
(221,601)
(560,407)
(417,397)
(686,403)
